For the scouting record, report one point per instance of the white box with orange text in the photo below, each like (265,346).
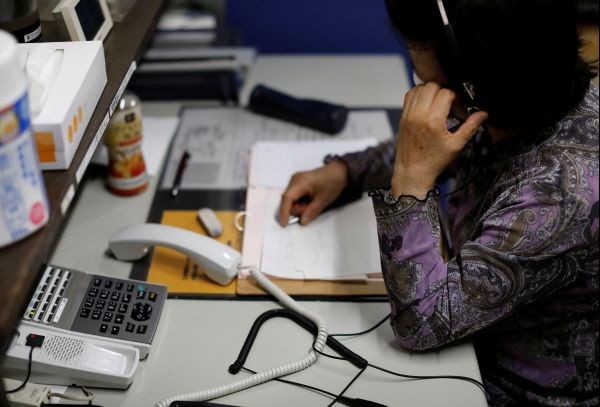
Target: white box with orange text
(70,102)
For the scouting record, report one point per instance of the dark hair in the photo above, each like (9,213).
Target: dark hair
(522,55)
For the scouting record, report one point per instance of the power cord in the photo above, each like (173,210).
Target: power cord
(406,376)
(22,385)
(414,377)
(347,401)
(366,331)
(347,387)
(33,341)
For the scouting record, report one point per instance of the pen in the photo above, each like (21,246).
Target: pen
(179,174)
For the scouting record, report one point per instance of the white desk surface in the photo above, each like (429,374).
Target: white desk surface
(198,339)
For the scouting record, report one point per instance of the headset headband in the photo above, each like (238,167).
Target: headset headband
(465,86)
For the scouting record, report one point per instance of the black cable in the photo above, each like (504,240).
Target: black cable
(306,386)
(366,331)
(407,376)
(347,387)
(87,393)
(347,401)
(414,377)
(28,373)
(427,377)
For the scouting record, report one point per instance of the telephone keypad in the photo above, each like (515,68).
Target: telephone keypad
(106,309)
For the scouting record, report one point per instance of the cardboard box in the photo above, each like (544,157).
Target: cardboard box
(72,98)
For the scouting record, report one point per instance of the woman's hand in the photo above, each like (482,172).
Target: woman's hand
(309,192)
(424,145)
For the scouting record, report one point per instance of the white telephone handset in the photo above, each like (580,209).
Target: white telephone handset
(220,261)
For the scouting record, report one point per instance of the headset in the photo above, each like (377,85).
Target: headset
(482,142)
(464,85)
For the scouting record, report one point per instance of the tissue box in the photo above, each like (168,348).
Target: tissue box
(71,100)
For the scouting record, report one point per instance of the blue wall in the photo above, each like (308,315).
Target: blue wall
(313,26)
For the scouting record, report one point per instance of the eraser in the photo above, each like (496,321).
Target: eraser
(208,219)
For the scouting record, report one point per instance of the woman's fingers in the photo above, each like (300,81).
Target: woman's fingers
(312,210)
(292,195)
(469,128)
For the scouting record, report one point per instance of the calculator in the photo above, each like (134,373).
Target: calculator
(124,310)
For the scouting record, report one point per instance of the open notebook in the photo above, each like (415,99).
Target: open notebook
(341,244)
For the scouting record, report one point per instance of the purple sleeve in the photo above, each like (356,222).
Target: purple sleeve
(371,168)
(509,261)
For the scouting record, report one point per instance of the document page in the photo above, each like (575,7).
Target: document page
(339,244)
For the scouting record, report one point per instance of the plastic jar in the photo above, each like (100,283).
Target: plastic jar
(126,167)
(23,201)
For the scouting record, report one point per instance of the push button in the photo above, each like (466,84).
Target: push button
(141,311)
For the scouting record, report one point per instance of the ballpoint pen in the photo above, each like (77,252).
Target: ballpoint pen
(179,174)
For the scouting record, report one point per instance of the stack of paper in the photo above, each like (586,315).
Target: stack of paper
(340,244)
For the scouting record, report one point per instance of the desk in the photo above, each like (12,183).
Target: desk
(193,347)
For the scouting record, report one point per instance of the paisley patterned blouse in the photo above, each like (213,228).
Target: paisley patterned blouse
(522,279)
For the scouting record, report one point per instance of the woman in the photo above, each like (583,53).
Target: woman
(521,275)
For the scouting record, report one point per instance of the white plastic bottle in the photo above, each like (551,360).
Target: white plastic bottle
(23,200)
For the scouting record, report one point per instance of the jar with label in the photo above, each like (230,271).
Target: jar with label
(126,166)
(23,201)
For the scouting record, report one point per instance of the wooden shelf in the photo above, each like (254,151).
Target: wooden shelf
(20,263)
